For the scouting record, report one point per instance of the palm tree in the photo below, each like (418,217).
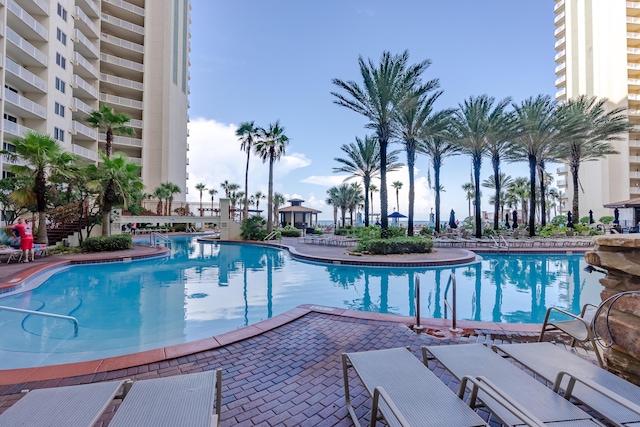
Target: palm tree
(586,129)
(363,161)
(397,185)
(356,198)
(372,189)
(201,187)
(40,152)
(438,148)
(473,127)
(554,195)
(385,85)
(504,181)
(332,200)
(271,147)
(119,179)
(470,191)
(520,188)
(161,194)
(343,198)
(248,135)
(106,119)
(228,188)
(278,201)
(212,193)
(257,197)
(171,190)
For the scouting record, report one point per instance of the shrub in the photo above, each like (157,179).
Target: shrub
(560,219)
(180,228)
(426,231)
(396,232)
(318,232)
(606,219)
(341,232)
(584,220)
(253,228)
(365,233)
(396,245)
(290,231)
(107,244)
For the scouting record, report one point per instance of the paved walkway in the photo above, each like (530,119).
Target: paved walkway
(285,371)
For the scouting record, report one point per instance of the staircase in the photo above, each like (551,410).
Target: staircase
(63,231)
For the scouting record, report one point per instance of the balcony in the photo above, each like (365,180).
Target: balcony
(128,7)
(84,68)
(25,106)
(562,170)
(558,6)
(84,23)
(14,161)
(634,143)
(634,159)
(122,67)
(635,189)
(20,48)
(22,79)
(136,160)
(561,93)
(26,24)
(560,55)
(89,7)
(561,81)
(121,43)
(14,129)
(77,106)
(35,7)
(561,67)
(80,131)
(119,81)
(560,43)
(118,25)
(559,19)
(633,97)
(123,102)
(559,32)
(122,140)
(135,123)
(83,45)
(561,183)
(633,39)
(84,152)
(82,89)
(633,24)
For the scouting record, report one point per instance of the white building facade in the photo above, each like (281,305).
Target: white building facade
(61,59)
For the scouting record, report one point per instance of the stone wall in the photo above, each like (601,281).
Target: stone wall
(619,255)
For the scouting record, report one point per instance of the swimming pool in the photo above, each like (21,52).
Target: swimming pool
(205,289)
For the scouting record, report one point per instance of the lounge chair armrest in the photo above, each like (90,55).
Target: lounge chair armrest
(576,317)
(497,394)
(633,407)
(380,393)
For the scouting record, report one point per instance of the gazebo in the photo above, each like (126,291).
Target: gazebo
(298,216)
(629,211)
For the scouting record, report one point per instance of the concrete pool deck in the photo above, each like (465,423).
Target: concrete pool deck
(283,371)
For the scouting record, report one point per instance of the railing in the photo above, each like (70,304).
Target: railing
(30,49)
(122,62)
(122,43)
(122,24)
(454,295)
(28,19)
(164,240)
(417,327)
(82,39)
(41,313)
(271,236)
(80,15)
(127,6)
(498,243)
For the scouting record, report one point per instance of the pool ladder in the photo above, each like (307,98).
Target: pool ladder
(42,313)
(164,240)
(448,306)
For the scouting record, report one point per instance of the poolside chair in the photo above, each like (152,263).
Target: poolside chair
(78,405)
(406,393)
(579,328)
(476,360)
(609,395)
(180,400)
(11,254)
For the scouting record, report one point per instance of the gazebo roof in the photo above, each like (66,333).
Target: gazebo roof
(631,203)
(298,209)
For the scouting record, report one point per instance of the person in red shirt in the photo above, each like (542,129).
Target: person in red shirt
(26,239)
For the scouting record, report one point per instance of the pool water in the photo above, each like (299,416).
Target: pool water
(204,289)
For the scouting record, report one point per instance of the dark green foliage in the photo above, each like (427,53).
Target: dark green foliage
(180,228)
(318,232)
(341,232)
(584,220)
(289,231)
(426,231)
(560,219)
(253,228)
(107,244)
(396,245)
(396,232)
(606,219)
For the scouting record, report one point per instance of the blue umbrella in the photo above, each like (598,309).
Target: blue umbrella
(397,215)
(452,219)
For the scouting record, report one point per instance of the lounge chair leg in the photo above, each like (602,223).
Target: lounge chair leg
(345,370)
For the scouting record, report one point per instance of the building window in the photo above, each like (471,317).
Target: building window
(6,146)
(59,109)
(5,175)
(61,61)
(61,36)
(10,118)
(62,12)
(58,134)
(60,85)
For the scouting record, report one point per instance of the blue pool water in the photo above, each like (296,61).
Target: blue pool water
(205,289)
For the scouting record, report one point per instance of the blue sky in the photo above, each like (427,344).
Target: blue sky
(268,60)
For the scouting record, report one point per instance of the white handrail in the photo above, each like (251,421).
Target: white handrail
(164,239)
(453,305)
(42,313)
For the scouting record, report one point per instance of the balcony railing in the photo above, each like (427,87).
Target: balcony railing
(84,152)
(634,159)
(633,35)
(79,82)
(42,4)
(78,37)
(559,30)
(561,41)
(561,170)
(79,14)
(123,24)
(561,80)
(135,123)
(561,67)
(136,66)
(27,47)
(28,19)
(121,82)
(561,183)
(634,143)
(77,127)
(123,140)
(561,92)
(560,54)
(128,6)
(78,105)
(559,18)
(93,7)
(122,43)
(136,160)
(558,5)
(14,128)
(121,101)
(24,103)
(25,75)
(80,60)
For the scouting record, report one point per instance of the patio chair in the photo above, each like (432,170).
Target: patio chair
(579,328)
(406,393)
(180,400)
(476,360)
(11,254)
(609,395)
(78,405)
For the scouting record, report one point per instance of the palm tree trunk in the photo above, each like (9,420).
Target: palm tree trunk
(496,179)
(109,142)
(543,195)
(436,173)
(343,212)
(245,214)
(109,199)
(270,198)
(575,204)
(384,220)
(411,160)
(532,196)
(335,218)
(372,203)
(367,181)
(477,164)
(40,188)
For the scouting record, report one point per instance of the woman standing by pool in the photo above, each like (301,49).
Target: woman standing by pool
(26,239)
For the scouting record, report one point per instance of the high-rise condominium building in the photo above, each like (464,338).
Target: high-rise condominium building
(60,60)
(598,54)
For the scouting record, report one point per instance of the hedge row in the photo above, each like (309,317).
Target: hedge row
(396,245)
(106,244)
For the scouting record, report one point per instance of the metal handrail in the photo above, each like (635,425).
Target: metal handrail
(497,243)
(270,236)
(417,327)
(164,239)
(41,313)
(452,306)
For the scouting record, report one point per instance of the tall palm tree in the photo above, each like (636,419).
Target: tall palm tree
(438,148)
(333,200)
(40,153)
(472,126)
(270,147)
(586,129)
(259,195)
(470,190)
(107,120)
(212,193)
(363,161)
(397,185)
(228,187)
(385,85)
(504,181)
(278,201)
(161,194)
(416,121)
(356,198)
(520,188)
(372,189)
(172,189)
(201,187)
(554,196)
(342,197)
(248,134)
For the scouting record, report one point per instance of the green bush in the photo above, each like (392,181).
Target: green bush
(341,231)
(606,219)
(252,228)
(290,231)
(396,232)
(584,220)
(181,228)
(560,219)
(366,233)
(318,232)
(107,244)
(426,231)
(396,245)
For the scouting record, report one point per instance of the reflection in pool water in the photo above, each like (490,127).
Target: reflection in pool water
(205,289)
